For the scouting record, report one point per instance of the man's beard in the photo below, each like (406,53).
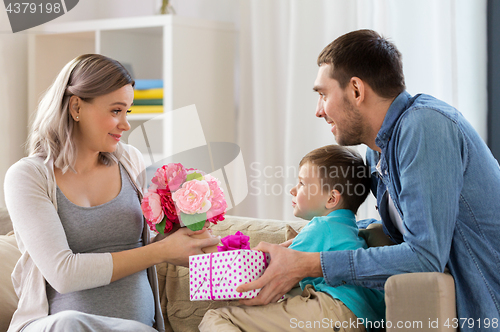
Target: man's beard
(353,128)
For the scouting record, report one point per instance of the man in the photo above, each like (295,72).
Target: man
(436,182)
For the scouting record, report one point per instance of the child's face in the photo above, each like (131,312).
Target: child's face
(309,199)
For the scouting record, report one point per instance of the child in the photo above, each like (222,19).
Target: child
(333,182)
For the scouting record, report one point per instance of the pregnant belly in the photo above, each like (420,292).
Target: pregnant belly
(128,298)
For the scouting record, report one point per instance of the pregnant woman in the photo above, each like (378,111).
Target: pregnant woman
(87,263)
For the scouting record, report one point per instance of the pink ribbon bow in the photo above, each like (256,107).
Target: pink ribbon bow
(234,242)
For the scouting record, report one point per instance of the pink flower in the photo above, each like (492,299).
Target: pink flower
(217,199)
(168,207)
(151,207)
(192,197)
(194,170)
(216,219)
(219,207)
(175,189)
(214,185)
(153,188)
(170,176)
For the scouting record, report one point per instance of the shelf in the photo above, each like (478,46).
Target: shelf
(194,58)
(131,23)
(138,48)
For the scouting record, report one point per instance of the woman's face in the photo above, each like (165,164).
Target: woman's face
(102,120)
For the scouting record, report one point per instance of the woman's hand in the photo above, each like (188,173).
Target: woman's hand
(178,246)
(175,248)
(160,237)
(175,227)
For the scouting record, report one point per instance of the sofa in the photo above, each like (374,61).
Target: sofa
(415,301)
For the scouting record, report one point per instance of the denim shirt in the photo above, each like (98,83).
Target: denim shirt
(445,184)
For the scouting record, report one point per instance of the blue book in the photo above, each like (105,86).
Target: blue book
(148,84)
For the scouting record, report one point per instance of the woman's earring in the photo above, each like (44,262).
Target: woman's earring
(77,117)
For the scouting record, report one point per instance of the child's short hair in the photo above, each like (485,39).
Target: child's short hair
(342,169)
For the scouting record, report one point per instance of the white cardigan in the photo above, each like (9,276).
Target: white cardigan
(30,196)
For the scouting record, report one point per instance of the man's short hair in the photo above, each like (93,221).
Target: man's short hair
(369,56)
(342,169)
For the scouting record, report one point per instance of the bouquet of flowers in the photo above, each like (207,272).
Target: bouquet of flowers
(185,196)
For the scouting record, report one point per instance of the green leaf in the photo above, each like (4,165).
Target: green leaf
(194,176)
(161,226)
(196,226)
(194,222)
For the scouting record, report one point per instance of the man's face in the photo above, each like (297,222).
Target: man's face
(347,124)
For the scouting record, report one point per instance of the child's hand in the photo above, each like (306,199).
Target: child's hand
(286,244)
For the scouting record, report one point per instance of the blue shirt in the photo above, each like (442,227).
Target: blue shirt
(338,231)
(445,184)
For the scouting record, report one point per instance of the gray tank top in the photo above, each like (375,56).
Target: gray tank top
(114,226)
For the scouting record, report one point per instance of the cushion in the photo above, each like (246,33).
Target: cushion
(10,254)
(290,233)
(5,223)
(179,312)
(268,230)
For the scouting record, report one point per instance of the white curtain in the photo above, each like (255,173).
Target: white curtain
(444,54)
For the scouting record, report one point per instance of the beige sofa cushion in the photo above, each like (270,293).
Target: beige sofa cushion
(179,312)
(5,223)
(290,233)
(268,230)
(9,255)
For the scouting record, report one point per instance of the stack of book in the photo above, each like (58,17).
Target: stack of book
(148,96)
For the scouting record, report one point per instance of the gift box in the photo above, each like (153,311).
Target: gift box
(216,276)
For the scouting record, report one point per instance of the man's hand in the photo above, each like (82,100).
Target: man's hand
(286,269)
(286,244)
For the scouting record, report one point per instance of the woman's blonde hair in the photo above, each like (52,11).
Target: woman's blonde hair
(87,76)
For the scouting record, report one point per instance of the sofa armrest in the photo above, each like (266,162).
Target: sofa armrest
(420,299)
(9,255)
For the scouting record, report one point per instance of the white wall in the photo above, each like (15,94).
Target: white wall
(13,93)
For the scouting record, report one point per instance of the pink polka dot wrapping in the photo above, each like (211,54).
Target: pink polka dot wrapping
(209,280)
